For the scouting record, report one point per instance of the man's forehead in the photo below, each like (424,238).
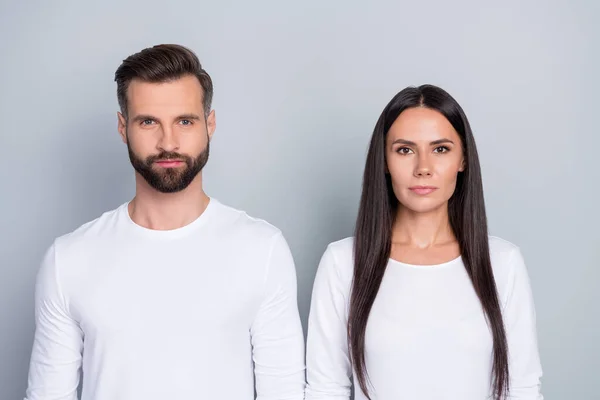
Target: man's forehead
(187,87)
(164,95)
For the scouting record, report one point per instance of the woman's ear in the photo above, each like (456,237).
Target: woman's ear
(387,170)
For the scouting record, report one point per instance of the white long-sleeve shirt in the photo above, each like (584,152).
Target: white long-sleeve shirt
(426,337)
(191,313)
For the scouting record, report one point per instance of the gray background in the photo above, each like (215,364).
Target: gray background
(298,88)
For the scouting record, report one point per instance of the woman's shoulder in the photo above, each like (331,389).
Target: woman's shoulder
(501,246)
(338,258)
(341,248)
(508,263)
(502,251)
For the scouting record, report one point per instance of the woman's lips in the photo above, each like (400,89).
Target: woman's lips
(423,190)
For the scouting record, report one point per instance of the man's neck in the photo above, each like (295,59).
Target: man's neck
(166,211)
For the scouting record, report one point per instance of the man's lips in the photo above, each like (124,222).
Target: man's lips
(169,163)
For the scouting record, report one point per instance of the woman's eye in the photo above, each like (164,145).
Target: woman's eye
(404,150)
(441,149)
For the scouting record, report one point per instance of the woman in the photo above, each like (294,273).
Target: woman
(421,303)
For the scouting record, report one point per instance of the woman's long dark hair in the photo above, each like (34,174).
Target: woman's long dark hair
(466,209)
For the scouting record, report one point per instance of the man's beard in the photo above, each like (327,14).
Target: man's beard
(169,180)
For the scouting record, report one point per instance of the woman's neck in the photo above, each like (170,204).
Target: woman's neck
(422,230)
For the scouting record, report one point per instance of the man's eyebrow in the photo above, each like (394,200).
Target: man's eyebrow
(189,116)
(143,117)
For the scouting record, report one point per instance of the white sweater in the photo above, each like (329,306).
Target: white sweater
(426,337)
(179,314)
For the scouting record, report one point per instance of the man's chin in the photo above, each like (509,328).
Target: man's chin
(167,186)
(169,181)
(170,190)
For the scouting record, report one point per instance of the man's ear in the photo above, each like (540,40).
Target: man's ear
(211,124)
(122,126)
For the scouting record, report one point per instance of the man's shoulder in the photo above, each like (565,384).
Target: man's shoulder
(241,222)
(89,232)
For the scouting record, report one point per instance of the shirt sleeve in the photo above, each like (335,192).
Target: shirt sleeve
(328,364)
(54,370)
(520,321)
(277,335)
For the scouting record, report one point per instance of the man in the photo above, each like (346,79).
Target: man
(173,295)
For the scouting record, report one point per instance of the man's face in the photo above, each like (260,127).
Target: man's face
(166,132)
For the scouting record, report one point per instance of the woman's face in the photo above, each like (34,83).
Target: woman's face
(424,156)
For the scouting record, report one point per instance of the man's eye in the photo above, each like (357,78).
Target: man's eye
(186,122)
(147,122)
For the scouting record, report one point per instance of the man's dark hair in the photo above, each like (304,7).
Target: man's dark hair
(162,63)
